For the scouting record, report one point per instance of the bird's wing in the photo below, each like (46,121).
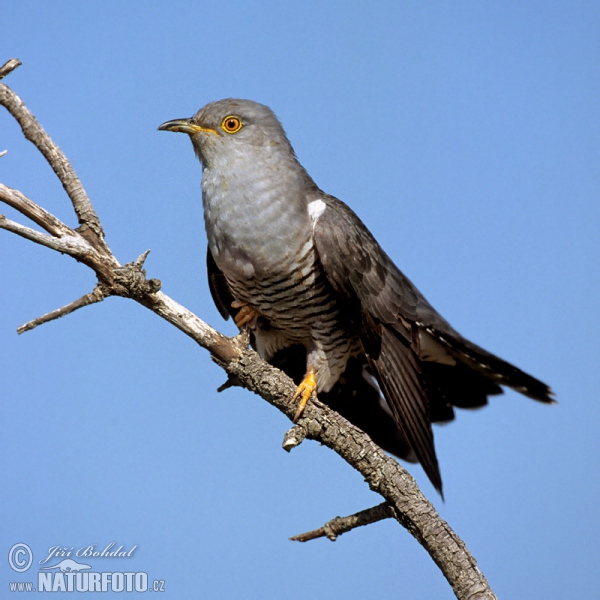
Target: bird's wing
(398,330)
(219,288)
(387,307)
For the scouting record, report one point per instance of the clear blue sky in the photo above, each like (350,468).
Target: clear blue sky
(465,134)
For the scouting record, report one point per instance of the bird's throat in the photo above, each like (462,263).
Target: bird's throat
(253,225)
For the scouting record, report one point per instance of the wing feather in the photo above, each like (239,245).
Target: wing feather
(386,304)
(398,371)
(219,288)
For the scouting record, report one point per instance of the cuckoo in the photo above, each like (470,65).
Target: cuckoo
(320,297)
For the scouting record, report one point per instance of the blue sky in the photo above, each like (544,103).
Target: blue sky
(466,135)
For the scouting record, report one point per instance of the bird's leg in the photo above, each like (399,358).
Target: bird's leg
(306,389)
(247,315)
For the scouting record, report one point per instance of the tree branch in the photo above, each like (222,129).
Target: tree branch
(96,296)
(60,245)
(31,210)
(332,529)
(9,66)
(244,367)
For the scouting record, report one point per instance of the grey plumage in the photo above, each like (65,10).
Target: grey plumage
(327,299)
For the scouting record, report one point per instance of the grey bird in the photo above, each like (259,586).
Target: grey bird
(320,297)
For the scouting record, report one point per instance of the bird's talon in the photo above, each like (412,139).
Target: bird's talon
(304,392)
(247,315)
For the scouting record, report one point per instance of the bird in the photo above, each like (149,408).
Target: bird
(299,270)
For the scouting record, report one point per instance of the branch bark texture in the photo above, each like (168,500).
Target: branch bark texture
(403,499)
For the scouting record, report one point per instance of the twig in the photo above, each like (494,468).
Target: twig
(293,437)
(9,66)
(332,529)
(138,263)
(96,296)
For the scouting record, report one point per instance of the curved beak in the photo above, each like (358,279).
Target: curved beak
(184,126)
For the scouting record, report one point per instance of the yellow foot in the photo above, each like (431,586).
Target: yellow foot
(247,314)
(305,390)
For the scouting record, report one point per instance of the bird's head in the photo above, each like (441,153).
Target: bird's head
(231,129)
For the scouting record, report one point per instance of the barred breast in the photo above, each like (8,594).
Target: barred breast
(299,308)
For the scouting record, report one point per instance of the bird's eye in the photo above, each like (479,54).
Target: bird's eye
(231,124)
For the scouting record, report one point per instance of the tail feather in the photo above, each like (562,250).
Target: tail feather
(493,368)
(455,385)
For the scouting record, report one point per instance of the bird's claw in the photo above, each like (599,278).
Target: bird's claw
(247,314)
(306,389)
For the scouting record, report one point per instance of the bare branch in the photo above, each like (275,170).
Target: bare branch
(60,245)
(96,296)
(33,131)
(332,529)
(36,213)
(222,348)
(384,474)
(9,66)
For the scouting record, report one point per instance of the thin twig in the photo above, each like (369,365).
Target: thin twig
(96,296)
(332,529)
(9,66)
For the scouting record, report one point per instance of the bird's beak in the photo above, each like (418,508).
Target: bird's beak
(185,126)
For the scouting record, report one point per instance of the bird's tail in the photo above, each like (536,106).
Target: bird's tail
(493,368)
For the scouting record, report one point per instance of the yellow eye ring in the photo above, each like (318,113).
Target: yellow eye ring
(231,124)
